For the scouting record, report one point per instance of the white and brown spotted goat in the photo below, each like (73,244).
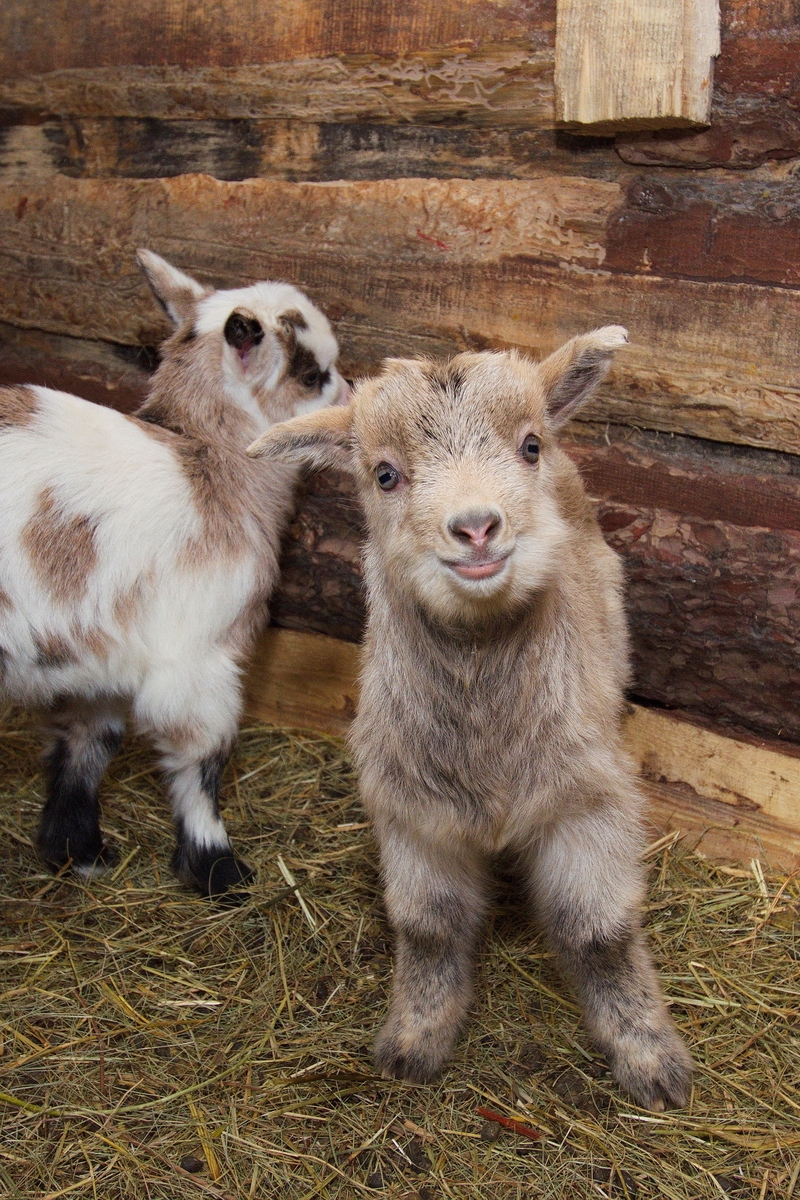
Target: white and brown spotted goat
(494,668)
(137,555)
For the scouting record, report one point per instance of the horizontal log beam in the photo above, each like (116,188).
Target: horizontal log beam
(729,798)
(477,63)
(100,371)
(495,84)
(418,266)
(246,148)
(68,36)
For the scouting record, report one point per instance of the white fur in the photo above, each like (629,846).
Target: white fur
(174,656)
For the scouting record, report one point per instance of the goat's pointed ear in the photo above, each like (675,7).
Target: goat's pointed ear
(571,374)
(322,438)
(176,292)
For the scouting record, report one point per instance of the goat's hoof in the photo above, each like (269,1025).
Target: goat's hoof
(400,1058)
(106,859)
(87,861)
(214,872)
(656,1076)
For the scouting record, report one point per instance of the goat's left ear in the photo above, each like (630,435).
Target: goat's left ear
(176,292)
(571,374)
(318,439)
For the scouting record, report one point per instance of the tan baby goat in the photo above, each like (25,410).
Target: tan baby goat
(495,662)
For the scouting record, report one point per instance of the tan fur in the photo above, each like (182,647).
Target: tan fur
(18,406)
(53,650)
(61,549)
(490,704)
(127,604)
(94,639)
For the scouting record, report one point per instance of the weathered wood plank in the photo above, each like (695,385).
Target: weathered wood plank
(635,64)
(742,230)
(64,35)
(748,775)
(510,83)
(719,831)
(311,682)
(100,371)
(303,680)
(152,148)
(715,614)
(415,266)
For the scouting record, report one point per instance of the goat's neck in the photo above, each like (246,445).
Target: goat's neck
(188,398)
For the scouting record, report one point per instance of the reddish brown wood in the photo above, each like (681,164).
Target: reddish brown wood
(734,230)
(62,35)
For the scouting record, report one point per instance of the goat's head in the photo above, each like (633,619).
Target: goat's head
(466,493)
(275,349)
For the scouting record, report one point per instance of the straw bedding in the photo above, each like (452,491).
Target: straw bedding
(156,1046)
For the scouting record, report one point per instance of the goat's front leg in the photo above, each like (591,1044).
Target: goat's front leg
(588,886)
(435,899)
(83,737)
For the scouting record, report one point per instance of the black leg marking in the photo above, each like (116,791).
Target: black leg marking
(213,871)
(69,828)
(211,772)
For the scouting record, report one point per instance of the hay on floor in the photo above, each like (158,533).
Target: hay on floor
(143,1028)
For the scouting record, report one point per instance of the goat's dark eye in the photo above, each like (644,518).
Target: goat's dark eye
(387,477)
(530,449)
(311,378)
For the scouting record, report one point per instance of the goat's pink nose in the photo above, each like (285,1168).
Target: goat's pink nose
(476,527)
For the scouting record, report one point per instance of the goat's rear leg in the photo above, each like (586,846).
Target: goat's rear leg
(84,735)
(203,857)
(588,886)
(191,709)
(435,898)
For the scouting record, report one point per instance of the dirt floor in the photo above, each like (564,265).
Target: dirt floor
(153,1045)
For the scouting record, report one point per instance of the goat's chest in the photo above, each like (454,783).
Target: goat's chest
(466,740)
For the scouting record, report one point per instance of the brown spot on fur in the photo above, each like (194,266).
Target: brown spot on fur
(53,650)
(294,318)
(61,549)
(93,639)
(18,406)
(5,599)
(127,603)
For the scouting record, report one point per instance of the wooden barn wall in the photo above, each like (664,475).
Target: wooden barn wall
(399,159)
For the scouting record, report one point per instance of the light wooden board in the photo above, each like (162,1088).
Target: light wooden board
(744,774)
(304,680)
(417,267)
(749,805)
(635,64)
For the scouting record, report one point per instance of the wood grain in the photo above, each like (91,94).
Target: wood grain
(303,680)
(744,774)
(68,36)
(410,267)
(635,64)
(510,83)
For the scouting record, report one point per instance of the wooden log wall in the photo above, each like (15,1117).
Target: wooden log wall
(402,162)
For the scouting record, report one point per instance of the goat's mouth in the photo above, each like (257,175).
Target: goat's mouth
(484,568)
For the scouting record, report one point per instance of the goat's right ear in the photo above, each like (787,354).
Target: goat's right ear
(176,292)
(318,439)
